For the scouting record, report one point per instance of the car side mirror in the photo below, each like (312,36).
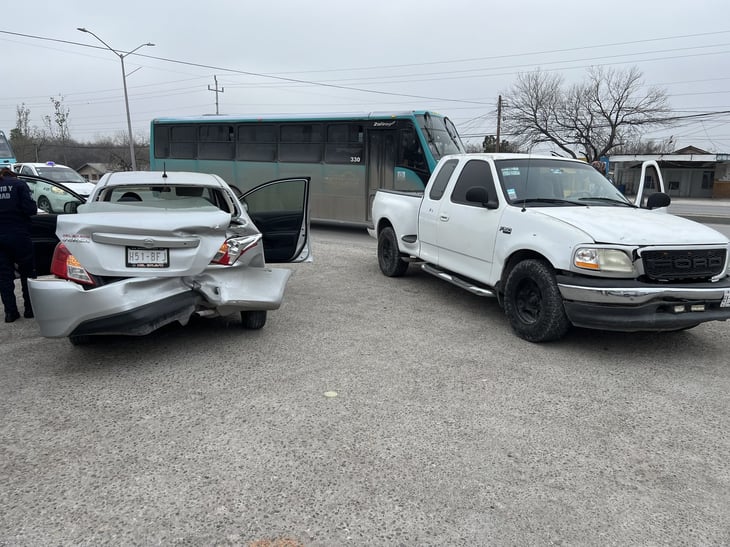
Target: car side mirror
(71,207)
(658,200)
(478,194)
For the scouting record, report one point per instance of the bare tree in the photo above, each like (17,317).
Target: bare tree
(648,146)
(58,124)
(609,109)
(27,140)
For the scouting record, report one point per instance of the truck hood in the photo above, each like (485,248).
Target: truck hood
(625,226)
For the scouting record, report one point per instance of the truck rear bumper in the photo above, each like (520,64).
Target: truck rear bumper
(633,306)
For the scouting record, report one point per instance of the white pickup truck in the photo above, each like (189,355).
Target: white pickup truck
(557,244)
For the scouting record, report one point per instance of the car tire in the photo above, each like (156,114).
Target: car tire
(533,304)
(253,320)
(80,340)
(389,257)
(44,204)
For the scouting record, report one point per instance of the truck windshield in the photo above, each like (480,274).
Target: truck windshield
(441,134)
(546,181)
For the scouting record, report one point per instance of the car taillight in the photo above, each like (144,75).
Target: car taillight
(65,266)
(233,248)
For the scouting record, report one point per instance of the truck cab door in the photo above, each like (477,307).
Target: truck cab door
(467,229)
(650,182)
(428,214)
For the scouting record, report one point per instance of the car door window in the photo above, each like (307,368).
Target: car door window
(280,210)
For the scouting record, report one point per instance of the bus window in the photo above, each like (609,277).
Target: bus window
(301,142)
(216,142)
(411,152)
(161,136)
(257,142)
(183,142)
(345,144)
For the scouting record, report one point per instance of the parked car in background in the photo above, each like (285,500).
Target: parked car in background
(152,248)
(47,196)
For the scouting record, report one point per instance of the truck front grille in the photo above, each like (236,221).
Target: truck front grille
(690,265)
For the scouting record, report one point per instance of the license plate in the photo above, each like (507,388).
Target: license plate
(147,258)
(725,303)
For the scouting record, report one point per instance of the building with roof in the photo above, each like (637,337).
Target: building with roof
(93,171)
(689,172)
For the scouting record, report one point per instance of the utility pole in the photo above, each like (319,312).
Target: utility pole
(499,122)
(216,90)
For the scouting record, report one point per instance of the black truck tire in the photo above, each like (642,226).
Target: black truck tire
(533,304)
(389,258)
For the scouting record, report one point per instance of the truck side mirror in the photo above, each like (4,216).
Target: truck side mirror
(657,200)
(478,194)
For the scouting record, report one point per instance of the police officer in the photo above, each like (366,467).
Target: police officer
(16,208)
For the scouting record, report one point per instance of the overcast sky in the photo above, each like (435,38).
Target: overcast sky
(290,56)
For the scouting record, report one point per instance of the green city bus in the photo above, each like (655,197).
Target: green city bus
(347,156)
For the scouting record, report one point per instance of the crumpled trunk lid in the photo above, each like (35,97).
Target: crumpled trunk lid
(131,241)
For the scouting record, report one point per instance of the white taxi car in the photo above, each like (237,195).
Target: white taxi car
(47,196)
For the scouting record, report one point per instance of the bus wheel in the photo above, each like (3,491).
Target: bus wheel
(253,320)
(389,258)
(533,304)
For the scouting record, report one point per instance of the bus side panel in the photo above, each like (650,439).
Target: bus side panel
(340,194)
(249,174)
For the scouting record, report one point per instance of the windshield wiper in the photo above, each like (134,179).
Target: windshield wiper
(608,200)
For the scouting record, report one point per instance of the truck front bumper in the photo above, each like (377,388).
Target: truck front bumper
(630,305)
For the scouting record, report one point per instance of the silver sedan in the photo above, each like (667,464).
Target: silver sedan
(152,248)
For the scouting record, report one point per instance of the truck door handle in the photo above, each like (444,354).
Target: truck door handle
(444,218)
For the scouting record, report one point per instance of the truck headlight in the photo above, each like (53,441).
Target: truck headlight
(603,260)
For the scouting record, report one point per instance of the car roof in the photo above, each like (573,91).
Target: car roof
(511,156)
(124,178)
(41,164)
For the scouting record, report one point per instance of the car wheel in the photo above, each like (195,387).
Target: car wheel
(253,319)
(80,339)
(44,204)
(533,303)
(389,257)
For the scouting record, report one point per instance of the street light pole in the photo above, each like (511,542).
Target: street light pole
(124,84)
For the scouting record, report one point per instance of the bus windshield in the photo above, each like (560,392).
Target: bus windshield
(441,135)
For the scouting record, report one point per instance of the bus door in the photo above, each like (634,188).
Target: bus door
(382,153)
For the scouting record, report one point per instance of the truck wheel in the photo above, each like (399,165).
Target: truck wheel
(253,319)
(533,303)
(389,260)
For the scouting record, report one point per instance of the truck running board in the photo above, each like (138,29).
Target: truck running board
(470,286)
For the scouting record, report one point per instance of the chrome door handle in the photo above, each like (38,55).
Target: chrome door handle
(444,218)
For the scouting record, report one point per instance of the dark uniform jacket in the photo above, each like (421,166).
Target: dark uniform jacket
(16,206)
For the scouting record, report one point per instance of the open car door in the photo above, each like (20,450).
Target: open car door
(43,224)
(280,210)
(650,182)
